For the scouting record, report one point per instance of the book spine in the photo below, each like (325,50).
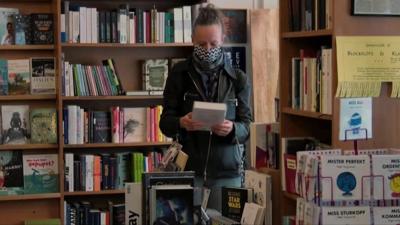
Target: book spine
(97,173)
(178,25)
(115,124)
(187,24)
(69,171)
(82,25)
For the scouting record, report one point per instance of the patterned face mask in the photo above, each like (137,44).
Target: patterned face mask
(208,56)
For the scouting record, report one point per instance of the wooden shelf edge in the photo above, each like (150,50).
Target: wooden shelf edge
(25,47)
(29,197)
(28,146)
(104,192)
(290,196)
(110,98)
(302,34)
(27,97)
(118,45)
(315,115)
(116,145)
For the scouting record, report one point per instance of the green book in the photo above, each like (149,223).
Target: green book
(122,170)
(43,126)
(169,27)
(40,173)
(43,222)
(76,81)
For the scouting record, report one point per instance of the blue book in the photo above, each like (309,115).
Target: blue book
(3,77)
(122,170)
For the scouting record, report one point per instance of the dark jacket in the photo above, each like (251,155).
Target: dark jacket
(183,87)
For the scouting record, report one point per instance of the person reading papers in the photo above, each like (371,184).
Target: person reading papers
(215,155)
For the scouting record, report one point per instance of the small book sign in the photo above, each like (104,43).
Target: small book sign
(209,113)
(355,119)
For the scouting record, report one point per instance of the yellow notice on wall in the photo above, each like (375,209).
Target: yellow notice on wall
(364,62)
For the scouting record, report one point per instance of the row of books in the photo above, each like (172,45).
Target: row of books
(27,76)
(28,173)
(312,81)
(86,80)
(341,178)
(119,125)
(86,172)
(86,213)
(311,214)
(80,24)
(20,29)
(22,125)
(307,15)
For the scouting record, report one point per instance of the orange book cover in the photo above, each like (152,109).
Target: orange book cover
(97,173)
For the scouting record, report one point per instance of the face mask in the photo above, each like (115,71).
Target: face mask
(208,56)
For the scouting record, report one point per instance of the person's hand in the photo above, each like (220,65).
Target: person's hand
(222,129)
(189,124)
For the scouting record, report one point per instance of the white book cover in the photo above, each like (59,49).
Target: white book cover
(345,178)
(134,124)
(15,124)
(71,81)
(72,124)
(123,35)
(360,215)
(300,210)
(178,25)
(82,25)
(75,27)
(355,118)
(208,113)
(66,78)
(386,215)
(252,214)
(69,171)
(155,72)
(62,23)
(187,24)
(308,213)
(133,203)
(95,27)
(132,28)
(103,218)
(43,75)
(89,161)
(89,25)
(326,86)
(386,177)
(70,27)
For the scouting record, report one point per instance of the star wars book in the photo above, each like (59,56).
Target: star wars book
(134,125)
(40,173)
(18,77)
(43,79)
(15,124)
(233,200)
(11,175)
(43,126)
(345,178)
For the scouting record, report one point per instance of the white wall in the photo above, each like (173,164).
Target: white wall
(245,4)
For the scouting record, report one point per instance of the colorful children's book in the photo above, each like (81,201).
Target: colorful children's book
(18,77)
(355,118)
(40,173)
(44,126)
(359,215)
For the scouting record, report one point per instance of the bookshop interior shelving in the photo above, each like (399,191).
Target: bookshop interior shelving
(300,123)
(128,57)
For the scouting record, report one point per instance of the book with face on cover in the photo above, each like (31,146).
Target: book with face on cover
(209,113)
(7,26)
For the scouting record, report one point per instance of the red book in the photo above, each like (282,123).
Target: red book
(148,124)
(97,173)
(148,27)
(115,124)
(290,172)
(121,126)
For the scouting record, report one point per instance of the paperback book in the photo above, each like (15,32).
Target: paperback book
(44,126)
(40,173)
(11,172)
(7,26)
(18,77)
(15,124)
(43,79)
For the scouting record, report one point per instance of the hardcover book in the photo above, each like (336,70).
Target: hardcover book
(233,200)
(11,173)
(208,113)
(386,215)
(236,57)
(346,215)
(40,173)
(3,77)
(101,127)
(7,34)
(155,73)
(18,77)
(43,80)
(43,28)
(134,125)
(44,126)
(23,29)
(15,124)
(386,177)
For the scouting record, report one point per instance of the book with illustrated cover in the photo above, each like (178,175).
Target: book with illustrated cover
(23,29)
(359,215)
(15,124)
(155,73)
(253,214)
(7,34)
(3,77)
(355,118)
(43,79)
(171,204)
(11,174)
(40,173)
(233,200)
(134,124)
(235,25)
(101,127)
(386,180)
(19,77)
(44,126)
(42,28)
(236,57)
(386,215)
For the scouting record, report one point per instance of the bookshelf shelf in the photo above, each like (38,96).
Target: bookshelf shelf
(290,196)
(111,98)
(315,115)
(104,192)
(29,197)
(117,45)
(303,34)
(28,147)
(25,47)
(116,145)
(27,97)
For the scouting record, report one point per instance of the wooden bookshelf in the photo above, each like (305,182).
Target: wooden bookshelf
(102,193)
(112,98)
(28,147)
(114,145)
(25,47)
(13,98)
(297,123)
(115,45)
(29,197)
